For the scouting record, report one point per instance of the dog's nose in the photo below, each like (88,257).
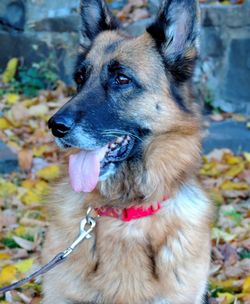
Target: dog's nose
(60,125)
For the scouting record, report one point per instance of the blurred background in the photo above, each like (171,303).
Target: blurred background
(38,46)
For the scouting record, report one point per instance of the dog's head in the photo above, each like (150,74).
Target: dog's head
(131,92)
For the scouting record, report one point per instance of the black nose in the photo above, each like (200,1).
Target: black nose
(60,125)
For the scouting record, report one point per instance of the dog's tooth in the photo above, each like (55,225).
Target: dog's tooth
(119,140)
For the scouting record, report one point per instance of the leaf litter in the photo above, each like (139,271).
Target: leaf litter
(24,219)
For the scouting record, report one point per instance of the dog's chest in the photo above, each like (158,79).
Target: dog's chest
(139,261)
(123,263)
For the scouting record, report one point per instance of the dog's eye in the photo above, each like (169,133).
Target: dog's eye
(122,79)
(79,78)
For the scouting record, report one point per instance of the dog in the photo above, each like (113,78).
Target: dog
(134,137)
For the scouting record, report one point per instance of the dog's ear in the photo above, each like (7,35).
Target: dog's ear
(175,32)
(96,18)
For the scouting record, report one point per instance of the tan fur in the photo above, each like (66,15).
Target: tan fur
(163,258)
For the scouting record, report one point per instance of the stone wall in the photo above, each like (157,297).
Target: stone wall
(32,29)
(224,67)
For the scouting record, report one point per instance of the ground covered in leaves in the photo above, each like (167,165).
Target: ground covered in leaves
(134,10)
(24,220)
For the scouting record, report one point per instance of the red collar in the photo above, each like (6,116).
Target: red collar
(130,213)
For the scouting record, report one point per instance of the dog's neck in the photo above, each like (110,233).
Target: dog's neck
(130,213)
(168,163)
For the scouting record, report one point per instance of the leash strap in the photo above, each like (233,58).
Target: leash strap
(87,225)
(59,258)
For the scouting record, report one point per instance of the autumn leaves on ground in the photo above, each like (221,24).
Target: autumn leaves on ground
(23,217)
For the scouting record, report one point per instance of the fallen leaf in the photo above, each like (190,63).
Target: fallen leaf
(245,244)
(4,124)
(24,266)
(4,256)
(230,159)
(235,193)
(244,297)
(28,184)
(213,169)
(31,197)
(7,188)
(240,269)
(7,220)
(247,156)
(36,190)
(38,110)
(11,99)
(17,115)
(27,103)
(229,185)
(217,154)
(49,173)
(20,231)
(245,265)
(227,297)
(235,216)
(217,117)
(41,187)
(229,253)
(233,272)
(25,158)
(25,244)
(214,269)
(33,222)
(8,274)
(218,234)
(235,170)
(226,285)
(246,285)
(39,151)
(216,196)
(20,253)
(10,70)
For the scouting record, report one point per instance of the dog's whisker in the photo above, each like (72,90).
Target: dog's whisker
(118,132)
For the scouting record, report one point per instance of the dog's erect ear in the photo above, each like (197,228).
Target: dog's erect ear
(175,32)
(96,18)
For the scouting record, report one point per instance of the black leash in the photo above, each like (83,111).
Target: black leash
(88,222)
(59,258)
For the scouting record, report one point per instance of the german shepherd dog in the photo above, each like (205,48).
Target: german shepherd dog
(133,133)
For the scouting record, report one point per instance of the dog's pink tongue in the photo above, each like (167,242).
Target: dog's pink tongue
(84,169)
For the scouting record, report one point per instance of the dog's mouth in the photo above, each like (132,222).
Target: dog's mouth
(87,167)
(118,150)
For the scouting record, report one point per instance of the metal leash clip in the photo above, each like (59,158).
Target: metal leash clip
(87,225)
